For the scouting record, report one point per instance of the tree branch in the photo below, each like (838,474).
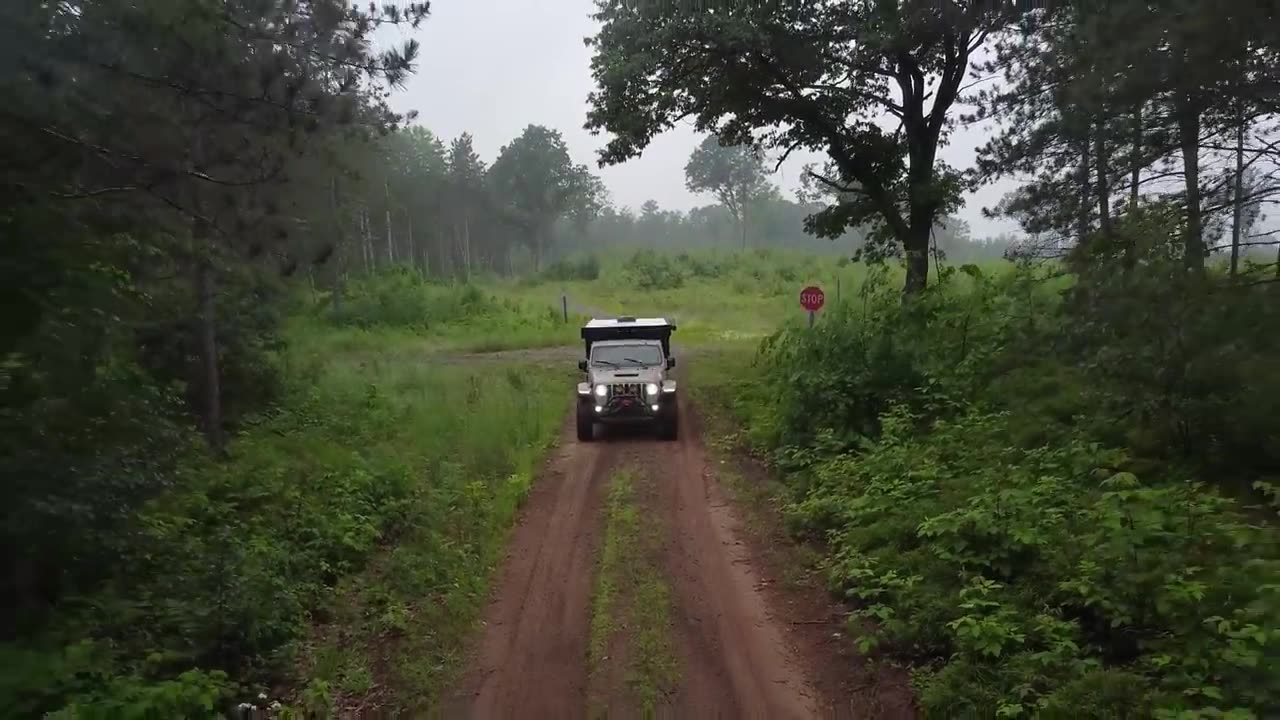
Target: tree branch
(83,194)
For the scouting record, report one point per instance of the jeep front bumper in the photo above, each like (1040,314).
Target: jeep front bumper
(622,409)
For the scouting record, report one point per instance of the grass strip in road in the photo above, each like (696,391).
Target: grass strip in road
(631,651)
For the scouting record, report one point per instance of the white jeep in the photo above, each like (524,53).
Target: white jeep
(627,363)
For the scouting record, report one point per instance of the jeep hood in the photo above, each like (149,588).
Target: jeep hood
(626,375)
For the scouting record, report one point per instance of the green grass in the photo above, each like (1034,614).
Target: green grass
(441,317)
(745,303)
(342,548)
(631,607)
(717,297)
(470,440)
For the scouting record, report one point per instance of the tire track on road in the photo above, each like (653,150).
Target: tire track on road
(531,660)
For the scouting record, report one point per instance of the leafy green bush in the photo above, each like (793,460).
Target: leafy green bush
(1039,530)
(1186,360)
(1030,569)
(649,270)
(461,316)
(401,297)
(837,379)
(248,325)
(212,581)
(701,265)
(98,387)
(584,267)
(81,674)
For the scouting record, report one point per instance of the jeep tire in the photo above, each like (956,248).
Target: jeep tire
(586,423)
(669,422)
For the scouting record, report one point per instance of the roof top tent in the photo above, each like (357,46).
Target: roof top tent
(629,328)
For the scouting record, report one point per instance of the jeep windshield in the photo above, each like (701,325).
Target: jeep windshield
(626,355)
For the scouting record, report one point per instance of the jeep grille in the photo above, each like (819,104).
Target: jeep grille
(626,390)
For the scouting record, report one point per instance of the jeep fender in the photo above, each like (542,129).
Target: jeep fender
(668,387)
(584,390)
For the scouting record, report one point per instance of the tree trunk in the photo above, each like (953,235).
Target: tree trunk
(391,255)
(916,249)
(364,251)
(448,262)
(1135,177)
(1236,210)
(466,246)
(339,244)
(366,240)
(1103,189)
(538,238)
(922,205)
(212,410)
(1189,139)
(1135,163)
(459,246)
(408,221)
(1082,203)
(207,340)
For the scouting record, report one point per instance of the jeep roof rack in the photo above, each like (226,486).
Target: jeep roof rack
(628,328)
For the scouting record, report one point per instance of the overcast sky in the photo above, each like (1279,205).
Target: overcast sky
(492,67)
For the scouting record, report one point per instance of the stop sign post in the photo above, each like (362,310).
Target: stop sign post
(812,299)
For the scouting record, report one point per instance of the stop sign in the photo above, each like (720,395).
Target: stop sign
(812,298)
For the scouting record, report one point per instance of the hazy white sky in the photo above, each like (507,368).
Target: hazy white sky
(491,67)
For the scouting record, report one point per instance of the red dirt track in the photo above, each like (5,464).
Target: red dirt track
(736,660)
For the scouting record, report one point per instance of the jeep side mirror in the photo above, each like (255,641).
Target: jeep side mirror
(582,365)
(671,362)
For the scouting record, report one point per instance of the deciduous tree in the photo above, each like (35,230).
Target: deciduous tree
(536,184)
(870,83)
(733,174)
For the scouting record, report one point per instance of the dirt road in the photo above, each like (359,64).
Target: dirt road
(735,659)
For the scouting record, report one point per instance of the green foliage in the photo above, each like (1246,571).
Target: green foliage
(734,174)
(538,184)
(473,441)
(223,568)
(693,68)
(104,364)
(249,311)
(872,352)
(461,316)
(584,267)
(1185,358)
(401,298)
(649,270)
(1005,503)
(98,389)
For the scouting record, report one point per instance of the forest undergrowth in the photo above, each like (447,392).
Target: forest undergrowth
(1051,495)
(364,500)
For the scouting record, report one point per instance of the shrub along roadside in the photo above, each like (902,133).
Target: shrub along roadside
(964,462)
(220,575)
(452,316)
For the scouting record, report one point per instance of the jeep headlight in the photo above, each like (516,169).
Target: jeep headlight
(601,391)
(651,389)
